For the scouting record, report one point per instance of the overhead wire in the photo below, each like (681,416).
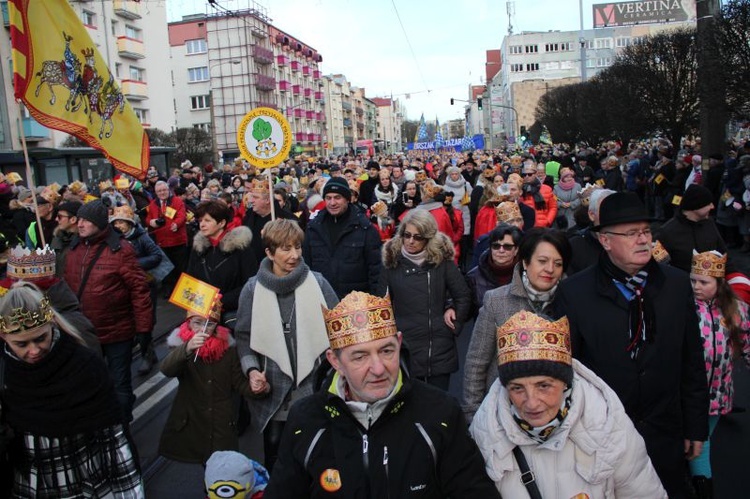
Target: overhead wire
(411,49)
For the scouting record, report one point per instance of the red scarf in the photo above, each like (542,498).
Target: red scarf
(214,347)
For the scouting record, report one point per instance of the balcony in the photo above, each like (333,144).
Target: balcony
(309,115)
(316,74)
(285,86)
(295,66)
(310,136)
(262,55)
(266,104)
(346,106)
(319,96)
(307,92)
(296,89)
(130,48)
(32,130)
(360,126)
(263,82)
(349,139)
(134,90)
(282,60)
(299,113)
(320,116)
(300,136)
(306,70)
(129,9)
(348,122)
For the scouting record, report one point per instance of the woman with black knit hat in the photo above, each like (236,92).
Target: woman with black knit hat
(551,428)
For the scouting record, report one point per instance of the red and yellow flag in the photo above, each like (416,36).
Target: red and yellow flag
(65,84)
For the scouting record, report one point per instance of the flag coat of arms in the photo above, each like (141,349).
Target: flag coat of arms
(65,84)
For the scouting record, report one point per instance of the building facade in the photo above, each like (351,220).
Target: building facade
(390,119)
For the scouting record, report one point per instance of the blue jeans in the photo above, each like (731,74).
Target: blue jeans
(119,357)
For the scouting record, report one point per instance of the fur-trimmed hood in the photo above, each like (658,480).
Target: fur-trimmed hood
(174,340)
(236,239)
(439,248)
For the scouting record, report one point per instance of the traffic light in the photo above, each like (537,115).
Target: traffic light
(479,103)
(523,130)
(451,101)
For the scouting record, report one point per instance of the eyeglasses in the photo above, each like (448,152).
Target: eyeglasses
(60,215)
(529,174)
(631,234)
(201,323)
(416,237)
(503,246)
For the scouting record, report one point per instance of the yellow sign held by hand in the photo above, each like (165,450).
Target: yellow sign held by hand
(194,295)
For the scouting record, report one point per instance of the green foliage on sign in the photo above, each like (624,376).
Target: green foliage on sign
(261,130)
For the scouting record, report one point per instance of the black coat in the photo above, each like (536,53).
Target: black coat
(418,447)
(681,236)
(664,390)
(420,295)
(227,266)
(586,250)
(481,279)
(352,261)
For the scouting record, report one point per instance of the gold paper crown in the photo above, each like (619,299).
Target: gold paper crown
(123,212)
(526,336)
(21,320)
(586,192)
(709,263)
(430,189)
(515,160)
(259,186)
(508,211)
(420,176)
(105,185)
(77,187)
(359,318)
(28,265)
(122,183)
(50,194)
(379,209)
(660,253)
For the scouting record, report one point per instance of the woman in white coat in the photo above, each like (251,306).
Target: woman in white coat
(570,427)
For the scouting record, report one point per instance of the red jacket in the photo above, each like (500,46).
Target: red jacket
(116,298)
(486,221)
(164,235)
(545,217)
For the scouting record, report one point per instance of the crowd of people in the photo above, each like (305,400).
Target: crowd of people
(594,277)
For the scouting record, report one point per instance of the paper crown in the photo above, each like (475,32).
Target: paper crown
(21,320)
(709,263)
(660,253)
(123,212)
(105,186)
(77,187)
(122,183)
(515,161)
(379,209)
(214,314)
(528,337)
(420,176)
(259,186)
(430,189)
(586,192)
(27,265)
(359,318)
(508,211)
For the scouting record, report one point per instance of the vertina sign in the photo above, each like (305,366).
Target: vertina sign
(646,11)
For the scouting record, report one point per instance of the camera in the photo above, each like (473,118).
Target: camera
(160,222)
(405,197)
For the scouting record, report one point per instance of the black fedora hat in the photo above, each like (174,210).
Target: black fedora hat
(621,208)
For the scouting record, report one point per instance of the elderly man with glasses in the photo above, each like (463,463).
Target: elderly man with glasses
(633,322)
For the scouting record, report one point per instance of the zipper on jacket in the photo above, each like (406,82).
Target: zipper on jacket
(429,326)
(365,449)
(387,475)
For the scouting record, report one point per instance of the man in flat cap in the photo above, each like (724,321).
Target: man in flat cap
(372,431)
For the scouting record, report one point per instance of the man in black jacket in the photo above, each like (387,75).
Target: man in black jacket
(341,243)
(633,322)
(259,214)
(372,431)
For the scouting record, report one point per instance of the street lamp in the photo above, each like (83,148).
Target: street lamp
(214,148)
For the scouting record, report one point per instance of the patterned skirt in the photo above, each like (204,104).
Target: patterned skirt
(92,465)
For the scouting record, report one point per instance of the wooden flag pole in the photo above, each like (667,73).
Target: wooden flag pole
(270,193)
(29,174)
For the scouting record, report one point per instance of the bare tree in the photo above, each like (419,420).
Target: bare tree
(193,144)
(734,42)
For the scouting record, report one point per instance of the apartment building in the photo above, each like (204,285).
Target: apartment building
(223,66)
(389,124)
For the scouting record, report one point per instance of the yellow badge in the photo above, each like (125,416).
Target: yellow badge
(659,179)
(170,212)
(600,182)
(676,200)
(330,480)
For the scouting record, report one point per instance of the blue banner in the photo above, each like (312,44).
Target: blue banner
(447,144)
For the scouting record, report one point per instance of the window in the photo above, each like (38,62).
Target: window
(534,66)
(566,46)
(622,41)
(118,69)
(531,49)
(551,47)
(636,40)
(200,102)
(566,65)
(114,28)
(516,49)
(203,126)
(88,18)
(552,65)
(590,63)
(198,74)
(136,74)
(141,114)
(590,44)
(603,62)
(515,68)
(133,33)
(197,46)
(603,43)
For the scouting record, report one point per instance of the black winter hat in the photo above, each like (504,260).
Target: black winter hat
(70,207)
(338,185)
(695,197)
(621,208)
(96,213)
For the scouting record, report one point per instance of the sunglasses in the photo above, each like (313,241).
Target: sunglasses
(416,237)
(529,174)
(504,246)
